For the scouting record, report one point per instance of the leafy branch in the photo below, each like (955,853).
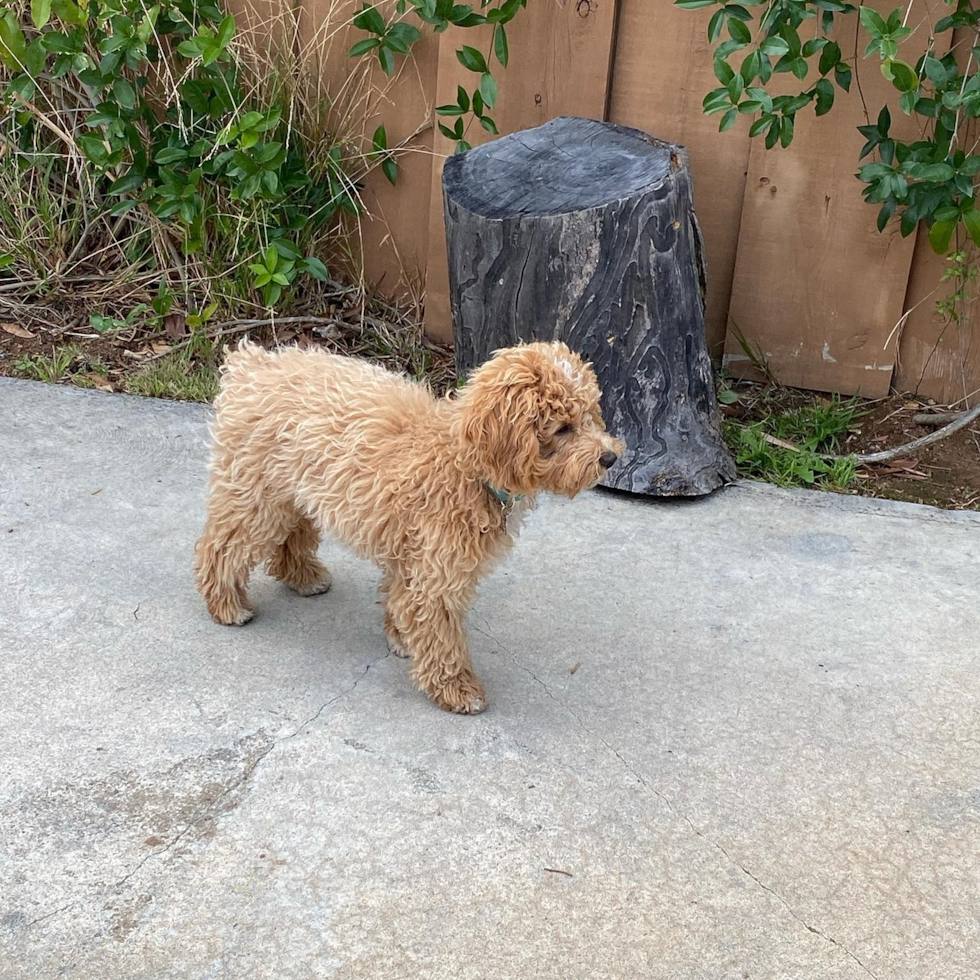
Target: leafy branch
(396,37)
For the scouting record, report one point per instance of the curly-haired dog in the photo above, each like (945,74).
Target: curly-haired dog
(306,441)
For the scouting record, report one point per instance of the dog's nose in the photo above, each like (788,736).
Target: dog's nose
(607,459)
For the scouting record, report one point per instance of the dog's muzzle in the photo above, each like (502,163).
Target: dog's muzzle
(607,459)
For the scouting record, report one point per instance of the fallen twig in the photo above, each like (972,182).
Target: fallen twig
(935,418)
(916,444)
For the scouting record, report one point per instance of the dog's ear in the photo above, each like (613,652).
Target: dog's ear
(500,418)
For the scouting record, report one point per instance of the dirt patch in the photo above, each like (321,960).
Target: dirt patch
(155,363)
(945,474)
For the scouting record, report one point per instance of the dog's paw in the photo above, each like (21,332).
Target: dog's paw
(474,706)
(238,617)
(315,588)
(463,695)
(396,648)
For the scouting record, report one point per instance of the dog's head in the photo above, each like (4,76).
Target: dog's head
(530,420)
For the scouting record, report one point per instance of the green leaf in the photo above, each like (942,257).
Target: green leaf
(739,31)
(131,182)
(40,12)
(124,93)
(362,47)
(761,124)
(774,47)
(694,4)
(750,67)
(13,44)
(728,120)
(36,56)
(69,12)
(727,397)
(825,96)
(900,74)
(369,19)
(813,46)
(462,98)
(449,109)
(792,39)
(971,219)
(380,138)
(447,132)
(934,69)
(786,131)
(500,48)
(829,57)
(873,22)
(843,74)
(471,59)
(723,71)
(884,121)
(171,154)
(716,25)
(226,31)
(940,234)
(488,89)
(387,60)
(489,125)
(389,167)
(94,148)
(316,268)
(271,258)
(400,37)
(936,172)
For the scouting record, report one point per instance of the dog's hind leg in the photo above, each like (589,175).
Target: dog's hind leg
(236,538)
(295,562)
(393,589)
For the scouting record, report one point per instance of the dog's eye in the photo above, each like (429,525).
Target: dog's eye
(564,430)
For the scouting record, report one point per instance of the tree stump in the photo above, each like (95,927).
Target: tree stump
(585,232)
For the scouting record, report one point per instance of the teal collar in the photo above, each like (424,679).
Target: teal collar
(503,496)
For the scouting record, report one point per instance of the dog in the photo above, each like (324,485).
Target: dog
(305,441)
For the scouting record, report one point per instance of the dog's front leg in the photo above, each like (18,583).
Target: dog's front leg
(432,630)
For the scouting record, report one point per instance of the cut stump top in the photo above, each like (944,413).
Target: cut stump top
(568,164)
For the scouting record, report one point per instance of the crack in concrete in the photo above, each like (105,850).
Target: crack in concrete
(48,915)
(240,782)
(666,800)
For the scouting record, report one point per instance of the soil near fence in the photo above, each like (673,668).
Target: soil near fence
(946,474)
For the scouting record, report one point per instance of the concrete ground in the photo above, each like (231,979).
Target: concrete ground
(766,764)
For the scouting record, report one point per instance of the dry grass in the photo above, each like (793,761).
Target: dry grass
(66,257)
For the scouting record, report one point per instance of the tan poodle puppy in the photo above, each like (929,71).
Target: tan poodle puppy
(306,441)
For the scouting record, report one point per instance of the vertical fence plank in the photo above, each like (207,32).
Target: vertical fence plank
(662,69)
(938,357)
(817,288)
(392,242)
(559,61)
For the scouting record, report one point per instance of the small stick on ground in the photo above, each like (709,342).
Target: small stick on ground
(936,418)
(916,444)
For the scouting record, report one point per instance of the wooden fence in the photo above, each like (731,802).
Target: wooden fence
(795,262)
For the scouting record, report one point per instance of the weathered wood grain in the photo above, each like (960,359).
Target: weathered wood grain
(585,232)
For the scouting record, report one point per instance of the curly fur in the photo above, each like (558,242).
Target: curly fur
(306,441)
